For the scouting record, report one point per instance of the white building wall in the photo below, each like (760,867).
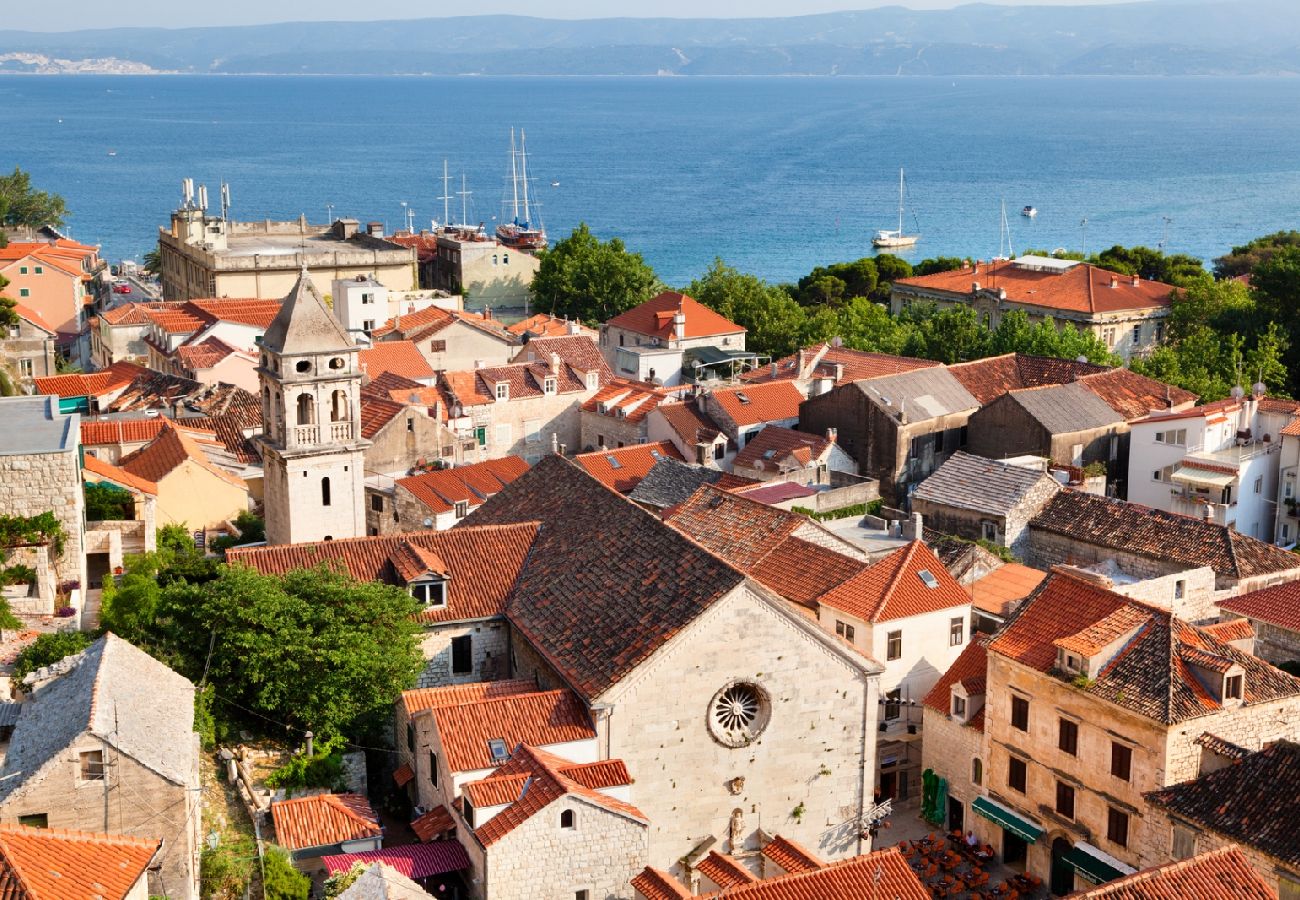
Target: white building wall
(1145,457)
(356,302)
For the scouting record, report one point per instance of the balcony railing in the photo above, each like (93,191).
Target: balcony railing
(306,434)
(340,431)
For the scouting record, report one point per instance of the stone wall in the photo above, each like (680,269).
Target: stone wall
(489,643)
(1252,727)
(1275,644)
(408,437)
(1157,848)
(40,482)
(950,749)
(1047,549)
(616,432)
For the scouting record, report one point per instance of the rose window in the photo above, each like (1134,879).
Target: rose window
(738,714)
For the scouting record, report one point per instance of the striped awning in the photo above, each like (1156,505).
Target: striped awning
(1093,865)
(1012,821)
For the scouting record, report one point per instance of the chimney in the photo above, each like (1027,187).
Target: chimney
(1002,293)
(773,371)
(679,325)
(839,372)
(974,287)
(1136,280)
(480,364)
(573,327)
(555,362)
(1114,282)
(833,435)
(375,229)
(555,442)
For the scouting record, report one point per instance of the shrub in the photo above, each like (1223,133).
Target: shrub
(65,612)
(281,880)
(48,649)
(324,769)
(108,503)
(17,574)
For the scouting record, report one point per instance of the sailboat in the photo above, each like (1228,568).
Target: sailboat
(896,238)
(520,232)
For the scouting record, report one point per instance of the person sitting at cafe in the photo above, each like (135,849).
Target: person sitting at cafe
(970,839)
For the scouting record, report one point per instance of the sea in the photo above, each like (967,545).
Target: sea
(772,175)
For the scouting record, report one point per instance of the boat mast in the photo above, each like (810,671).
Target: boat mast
(464,197)
(523,174)
(900,202)
(514,175)
(446,195)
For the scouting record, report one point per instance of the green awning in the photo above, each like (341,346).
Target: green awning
(1091,868)
(999,815)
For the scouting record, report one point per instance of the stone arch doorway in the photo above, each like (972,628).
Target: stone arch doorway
(1062,878)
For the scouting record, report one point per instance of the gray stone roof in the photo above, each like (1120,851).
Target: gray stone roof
(35,425)
(305,323)
(120,694)
(382,882)
(966,481)
(920,394)
(670,482)
(1066,408)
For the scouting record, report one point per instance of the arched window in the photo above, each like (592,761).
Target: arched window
(494,259)
(325,491)
(338,406)
(567,819)
(306,409)
(977,771)
(505,259)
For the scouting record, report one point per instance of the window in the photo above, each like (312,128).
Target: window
(39,270)
(430,593)
(844,630)
(581,895)
(1137,333)
(989,531)
(22,270)
(1108,335)
(1121,760)
(1020,713)
(1065,800)
(503,391)
(893,704)
(1160,332)
(1165,475)
(532,431)
(1232,687)
(325,491)
(433,768)
(1180,589)
(548,384)
(367,325)
(306,409)
(1183,844)
(977,771)
(35,820)
(24,292)
(719,451)
(503,436)
(339,407)
(956,632)
(437,346)
(1177,436)
(568,819)
(26,368)
(410,736)
(894,645)
(92,765)
(1114,447)
(367,298)
(376,502)
(738,714)
(461,655)
(959,707)
(1067,740)
(467,810)
(480,435)
(1016,774)
(500,752)
(505,259)
(1259,484)
(494,259)
(462,509)
(1117,827)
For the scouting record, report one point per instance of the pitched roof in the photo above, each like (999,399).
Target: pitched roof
(407,860)
(656,885)
(1223,874)
(578,351)
(158,390)
(1251,801)
(441,490)
(547,779)
(484,563)
(171,448)
(118,476)
(724,871)
(380,881)
(918,395)
(54,864)
(989,378)
(631,401)
(897,587)
(1130,527)
(304,324)
(420,700)
(670,481)
(782,448)
(966,481)
(655,318)
(1155,673)
(607,583)
(1134,396)
(765,402)
(376,412)
(1081,288)
(546,325)
(1277,605)
(737,529)
(322,820)
(536,718)
(1065,408)
(252,311)
(692,424)
(399,357)
(118,375)
(802,571)
(828,361)
(623,468)
(970,669)
(120,694)
(790,856)
(31,316)
(436,821)
(1232,630)
(136,313)
(1004,587)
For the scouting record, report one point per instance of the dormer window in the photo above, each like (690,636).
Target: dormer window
(503,391)
(548,384)
(593,381)
(500,753)
(958,707)
(1233,687)
(462,509)
(431,593)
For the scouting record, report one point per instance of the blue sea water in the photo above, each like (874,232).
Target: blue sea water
(773,175)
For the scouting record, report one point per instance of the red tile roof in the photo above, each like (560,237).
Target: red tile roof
(32,316)
(118,375)
(628,400)
(1277,605)
(54,864)
(548,779)
(656,885)
(1231,630)
(884,873)
(724,871)
(841,363)
(545,325)
(999,591)
(970,670)
(894,587)
(432,317)
(135,431)
(623,468)
(399,357)
(169,450)
(484,563)
(433,823)
(578,351)
(62,257)
(415,861)
(323,820)
(376,412)
(426,699)
(771,401)
(242,310)
(790,856)
(1134,396)
(654,318)
(1082,288)
(692,424)
(441,490)
(404,775)
(205,354)
(783,448)
(1223,874)
(136,313)
(802,571)
(537,718)
(117,475)
(991,377)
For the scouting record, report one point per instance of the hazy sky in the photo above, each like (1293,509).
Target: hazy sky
(170,14)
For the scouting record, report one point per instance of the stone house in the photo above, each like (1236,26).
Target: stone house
(27,349)
(649,342)
(617,414)
(697,437)
(106,742)
(1081,529)
(466,260)
(1274,614)
(451,340)
(179,338)
(119,333)
(899,428)
(90,393)
(743,412)
(996,595)
(1065,424)
(190,489)
(324,824)
(952,714)
(782,454)
(439,499)
(402,435)
(1092,699)
(52,863)
(976,498)
(1125,312)
(623,469)
(109,541)
(1248,804)
(40,471)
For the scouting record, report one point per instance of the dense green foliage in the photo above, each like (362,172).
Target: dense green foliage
(583,277)
(324,768)
(8,317)
(251,530)
(281,881)
(23,205)
(108,502)
(47,649)
(8,621)
(1245,259)
(42,528)
(152,261)
(337,884)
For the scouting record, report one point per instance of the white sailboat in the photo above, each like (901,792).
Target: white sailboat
(892,239)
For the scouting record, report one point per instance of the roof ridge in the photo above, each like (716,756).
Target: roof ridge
(907,553)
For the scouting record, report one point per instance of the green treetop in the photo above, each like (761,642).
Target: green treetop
(23,205)
(584,278)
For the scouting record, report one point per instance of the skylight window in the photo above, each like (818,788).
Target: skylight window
(742,396)
(928,579)
(614,463)
(655,454)
(497,747)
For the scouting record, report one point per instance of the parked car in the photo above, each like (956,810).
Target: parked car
(121,288)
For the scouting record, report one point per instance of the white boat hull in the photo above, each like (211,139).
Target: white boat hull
(905,240)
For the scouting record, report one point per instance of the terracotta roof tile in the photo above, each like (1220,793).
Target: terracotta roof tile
(790,856)
(376,412)
(766,402)
(884,873)
(95,432)
(205,354)
(414,861)
(1220,747)
(895,587)
(323,820)
(433,823)
(537,718)
(655,318)
(32,316)
(656,885)
(802,571)
(136,313)
(54,864)
(1223,874)
(400,357)
(724,871)
(117,475)
(988,379)
(827,361)
(1082,288)
(241,310)
(427,699)
(737,529)
(118,375)
(999,591)
(171,448)
(627,400)
(439,491)
(970,669)
(1277,605)
(433,317)
(691,424)
(579,352)
(623,468)
(1134,396)
(484,563)
(546,325)
(779,447)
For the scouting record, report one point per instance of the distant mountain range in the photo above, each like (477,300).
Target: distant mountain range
(1159,37)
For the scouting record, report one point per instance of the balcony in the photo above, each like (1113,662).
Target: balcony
(341,431)
(304,435)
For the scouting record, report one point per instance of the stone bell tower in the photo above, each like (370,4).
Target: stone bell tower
(312,450)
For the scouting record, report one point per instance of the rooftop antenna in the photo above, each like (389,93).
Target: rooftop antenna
(464,193)
(329,212)
(1083,234)
(446,194)
(203,197)
(187,192)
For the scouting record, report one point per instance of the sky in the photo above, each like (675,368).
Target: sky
(76,14)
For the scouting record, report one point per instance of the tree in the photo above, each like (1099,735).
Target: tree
(937,264)
(834,283)
(1243,260)
(8,313)
(8,621)
(1153,265)
(21,205)
(281,880)
(108,502)
(775,322)
(312,649)
(152,263)
(251,530)
(47,650)
(584,278)
(951,335)
(865,325)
